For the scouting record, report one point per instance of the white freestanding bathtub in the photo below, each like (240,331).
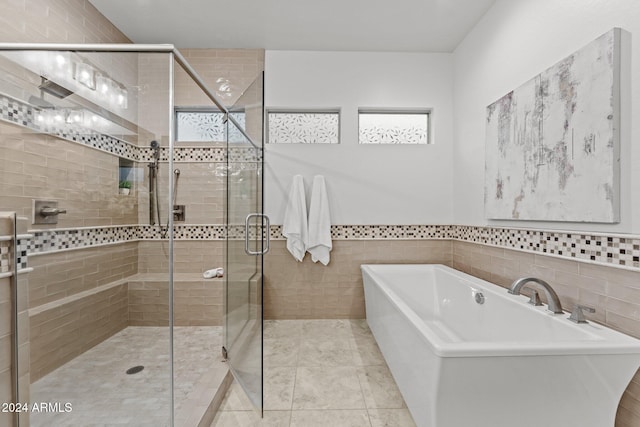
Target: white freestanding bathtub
(502,363)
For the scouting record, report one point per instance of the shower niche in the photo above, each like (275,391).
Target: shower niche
(127,176)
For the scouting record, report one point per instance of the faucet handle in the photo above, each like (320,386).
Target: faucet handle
(48,211)
(535,298)
(577,314)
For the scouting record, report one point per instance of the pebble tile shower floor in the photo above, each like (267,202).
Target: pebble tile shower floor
(102,393)
(320,373)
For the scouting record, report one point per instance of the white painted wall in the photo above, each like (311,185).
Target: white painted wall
(514,41)
(366,184)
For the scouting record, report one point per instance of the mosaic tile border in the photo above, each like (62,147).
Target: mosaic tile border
(45,241)
(23,251)
(352,232)
(371,232)
(5,256)
(213,154)
(23,114)
(615,250)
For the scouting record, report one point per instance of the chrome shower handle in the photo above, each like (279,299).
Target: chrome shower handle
(48,211)
(577,314)
(266,224)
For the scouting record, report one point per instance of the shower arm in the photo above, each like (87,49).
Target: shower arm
(126,47)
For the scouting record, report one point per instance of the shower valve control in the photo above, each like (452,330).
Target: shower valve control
(179,212)
(46,212)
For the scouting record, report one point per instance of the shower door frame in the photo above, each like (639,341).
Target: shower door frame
(176,56)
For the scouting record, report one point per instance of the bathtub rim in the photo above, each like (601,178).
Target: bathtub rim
(606,340)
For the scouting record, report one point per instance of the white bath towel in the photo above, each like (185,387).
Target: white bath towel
(319,244)
(295,227)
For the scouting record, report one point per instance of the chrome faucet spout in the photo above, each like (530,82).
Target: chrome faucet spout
(552,297)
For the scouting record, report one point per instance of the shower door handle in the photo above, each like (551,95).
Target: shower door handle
(266,224)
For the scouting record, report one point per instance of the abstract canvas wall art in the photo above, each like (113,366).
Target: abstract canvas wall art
(552,144)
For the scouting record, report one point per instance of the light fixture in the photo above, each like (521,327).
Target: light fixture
(60,60)
(66,73)
(108,92)
(74,117)
(58,65)
(111,91)
(122,97)
(85,74)
(103,85)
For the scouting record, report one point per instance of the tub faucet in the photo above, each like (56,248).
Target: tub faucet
(552,297)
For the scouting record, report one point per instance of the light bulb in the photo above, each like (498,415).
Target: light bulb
(104,85)
(85,74)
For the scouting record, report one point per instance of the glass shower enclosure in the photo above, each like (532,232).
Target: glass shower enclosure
(96,338)
(247,242)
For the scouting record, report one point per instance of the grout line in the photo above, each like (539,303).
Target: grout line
(295,379)
(364,400)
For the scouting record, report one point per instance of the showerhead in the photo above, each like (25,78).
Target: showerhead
(156,150)
(49,87)
(53,88)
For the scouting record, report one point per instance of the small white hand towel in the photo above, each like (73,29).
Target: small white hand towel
(295,227)
(319,244)
(213,273)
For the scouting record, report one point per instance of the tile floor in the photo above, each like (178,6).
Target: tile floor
(101,393)
(320,373)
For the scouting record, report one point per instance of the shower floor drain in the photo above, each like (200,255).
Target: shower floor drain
(135,370)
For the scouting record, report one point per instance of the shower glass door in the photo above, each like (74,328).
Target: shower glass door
(247,241)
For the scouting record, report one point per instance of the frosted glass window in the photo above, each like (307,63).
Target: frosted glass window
(391,127)
(204,126)
(303,127)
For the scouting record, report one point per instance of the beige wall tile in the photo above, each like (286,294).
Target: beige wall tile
(239,66)
(197,302)
(613,292)
(193,257)
(613,275)
(6,393)
(304,290)
(626,417)
(63,274)
(6,352)
(55,169)
(66,331)
(57,22)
